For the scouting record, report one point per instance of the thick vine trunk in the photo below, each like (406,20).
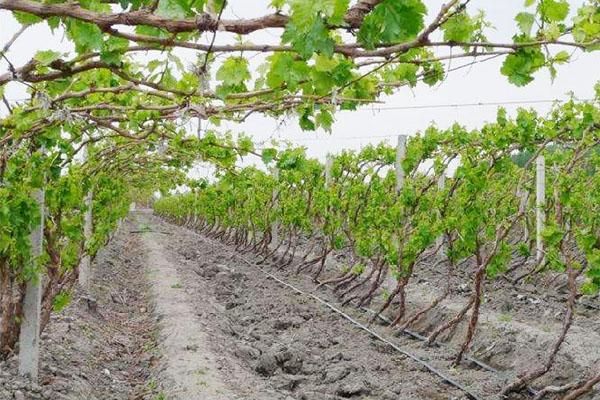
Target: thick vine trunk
(476,300)
(582,389)
(449,324)
(567,322)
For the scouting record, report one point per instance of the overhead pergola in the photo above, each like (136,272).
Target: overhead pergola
(331,54)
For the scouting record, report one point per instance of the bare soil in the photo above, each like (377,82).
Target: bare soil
(101,346)
(175,315)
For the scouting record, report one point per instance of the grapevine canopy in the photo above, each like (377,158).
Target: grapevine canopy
(126,89)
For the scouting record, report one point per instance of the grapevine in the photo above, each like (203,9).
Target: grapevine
(381,233)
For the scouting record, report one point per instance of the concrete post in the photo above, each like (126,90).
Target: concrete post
(400,155)
(275,225)
(540,205)
(29,337)
(328,166)
(441,184)
(85,267)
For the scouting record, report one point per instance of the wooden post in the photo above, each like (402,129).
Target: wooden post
(29,337)
(275,225)
(400,155)
(540,205)
(85,267)
(328,166)
(441,184)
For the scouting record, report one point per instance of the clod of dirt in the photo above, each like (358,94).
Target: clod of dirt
(335,374)
(352,389)
(208,271)
(267,365)
(316,396)
(284,324)
(339,356)
(293,365)
(287,382)
(246,352)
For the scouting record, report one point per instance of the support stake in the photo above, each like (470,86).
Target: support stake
(29,337)
(400,155)
(540,205)
(275,225)
(85,267)
(328,166)
(441,184)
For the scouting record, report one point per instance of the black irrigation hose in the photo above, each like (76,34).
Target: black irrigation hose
(467,357)
(365,328)
(406,332)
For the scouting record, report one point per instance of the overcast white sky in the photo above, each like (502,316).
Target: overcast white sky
(480,84)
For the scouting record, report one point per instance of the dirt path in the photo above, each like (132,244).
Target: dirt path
(189,365)
(265,341)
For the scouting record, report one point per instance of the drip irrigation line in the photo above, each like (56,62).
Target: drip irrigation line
(365,328)
(383,318)
(421,338)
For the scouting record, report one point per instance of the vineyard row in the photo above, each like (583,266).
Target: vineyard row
(387,212)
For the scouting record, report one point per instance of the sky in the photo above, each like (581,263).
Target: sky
(406,112)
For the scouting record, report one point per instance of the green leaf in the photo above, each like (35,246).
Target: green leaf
(307,42)
(562,57)
(392,21)
(177,9)
(306,123)
(324,119)
(233,74)
(552,31)
(324,63)
(87,37)
(285,70)
(151,31)
(304,13)
(552,235)
(268,155)
(434,73)
(234,71)
(554,10)
(53,23)
(340,7)
(46,57)
(525,21)
(458,28)
(520,66)
(112,50)
(278,4)
(25,18)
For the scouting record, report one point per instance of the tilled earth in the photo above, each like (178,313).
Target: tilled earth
(265,341)
(264,325)
(100,346)
(293,347)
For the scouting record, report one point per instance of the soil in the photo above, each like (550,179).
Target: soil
(179,316)
(101,346)
(271,343)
